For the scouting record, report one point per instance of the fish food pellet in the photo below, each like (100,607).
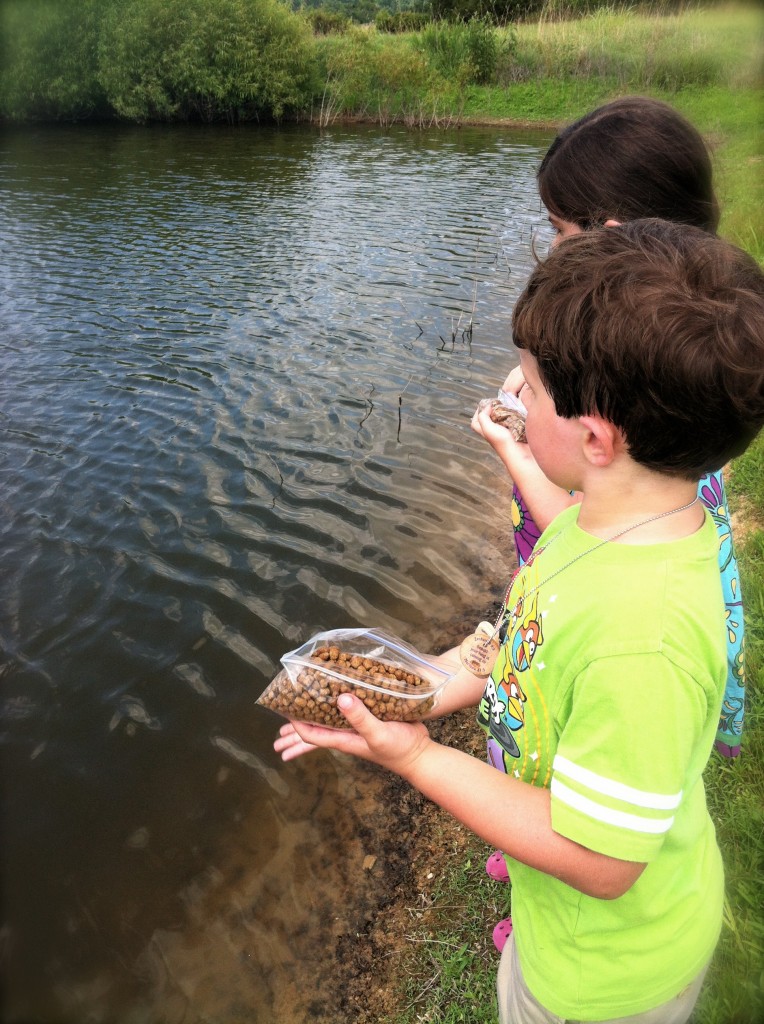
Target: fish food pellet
(312,695)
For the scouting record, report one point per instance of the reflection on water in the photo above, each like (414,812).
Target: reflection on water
(238,369)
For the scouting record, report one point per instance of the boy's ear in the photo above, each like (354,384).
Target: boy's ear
(602,440)
(612,223)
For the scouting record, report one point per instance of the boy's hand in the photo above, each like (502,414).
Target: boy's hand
(392,745)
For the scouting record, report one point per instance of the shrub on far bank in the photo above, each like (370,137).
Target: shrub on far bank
(49,69)
(464,52)
(145,60)
(185,59)
(326,23)
(401,21)
(369,75)
(498,12)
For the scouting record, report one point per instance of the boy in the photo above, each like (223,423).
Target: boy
(643,350)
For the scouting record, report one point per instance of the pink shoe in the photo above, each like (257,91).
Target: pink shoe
(501,933)
(496,867)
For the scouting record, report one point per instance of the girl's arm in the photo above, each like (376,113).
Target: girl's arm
(463,689)
(507,813)
(544,499)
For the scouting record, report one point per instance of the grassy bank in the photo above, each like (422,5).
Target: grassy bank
(257,60)
(707,63)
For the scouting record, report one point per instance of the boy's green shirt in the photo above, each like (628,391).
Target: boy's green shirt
(607,690)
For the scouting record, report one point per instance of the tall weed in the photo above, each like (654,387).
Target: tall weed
(638,50)
(464,52)
(370,75)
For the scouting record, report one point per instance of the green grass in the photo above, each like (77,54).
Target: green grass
(637,49)
(450,972)
(733,122)
(747,480)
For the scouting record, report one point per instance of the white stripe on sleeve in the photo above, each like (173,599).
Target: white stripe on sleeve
(609,815)
(617,790)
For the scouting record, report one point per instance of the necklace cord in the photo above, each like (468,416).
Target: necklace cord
(582,554)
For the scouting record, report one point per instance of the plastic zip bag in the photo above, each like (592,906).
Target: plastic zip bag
(509,411)
(396,682)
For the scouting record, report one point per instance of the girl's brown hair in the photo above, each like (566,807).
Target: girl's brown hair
(635,157)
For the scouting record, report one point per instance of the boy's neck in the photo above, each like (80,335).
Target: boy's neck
(610,505)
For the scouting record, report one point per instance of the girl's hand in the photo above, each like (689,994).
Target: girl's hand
(392,745)
(512,453)
(514,383)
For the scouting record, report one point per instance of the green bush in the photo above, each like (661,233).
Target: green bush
(193,59)
(498,12)
(401,21)
(463,52)
(483,50)
(325,23)
(372,76)
(49,67)
(154,59)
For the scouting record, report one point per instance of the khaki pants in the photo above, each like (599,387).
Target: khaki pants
(518,1006)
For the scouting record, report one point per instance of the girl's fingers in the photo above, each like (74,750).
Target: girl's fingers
(514,383)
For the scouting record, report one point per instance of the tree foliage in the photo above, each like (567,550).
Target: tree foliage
(49,66)
(499,12)
(194,59)
(156,59)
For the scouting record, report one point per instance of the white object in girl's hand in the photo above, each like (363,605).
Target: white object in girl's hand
(512,402)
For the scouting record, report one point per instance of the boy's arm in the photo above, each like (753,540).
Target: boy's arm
(544,499)
(507,813)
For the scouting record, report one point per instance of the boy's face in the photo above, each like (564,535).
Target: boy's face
(551,438)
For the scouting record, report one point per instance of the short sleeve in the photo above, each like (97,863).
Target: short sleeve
(628,727)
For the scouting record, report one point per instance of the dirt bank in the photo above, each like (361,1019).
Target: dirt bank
(411,841)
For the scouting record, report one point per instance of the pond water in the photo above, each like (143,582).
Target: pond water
(238,370)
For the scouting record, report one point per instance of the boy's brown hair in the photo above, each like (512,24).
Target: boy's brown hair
(659,328)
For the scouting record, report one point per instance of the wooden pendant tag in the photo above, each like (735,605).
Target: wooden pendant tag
(478,653)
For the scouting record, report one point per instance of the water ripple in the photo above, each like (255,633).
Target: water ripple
(238,375)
